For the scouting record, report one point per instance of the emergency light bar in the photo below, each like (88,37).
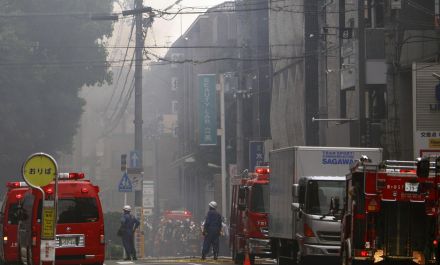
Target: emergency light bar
(17,184)
(71,175)
(262,170)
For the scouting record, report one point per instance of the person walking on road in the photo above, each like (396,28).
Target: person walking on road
(129,224)
(211,230)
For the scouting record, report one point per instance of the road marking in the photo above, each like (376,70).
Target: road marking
(194,263)
(125,262)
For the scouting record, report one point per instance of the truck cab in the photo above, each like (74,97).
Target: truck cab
(317,215)
(249,215)
(80,223)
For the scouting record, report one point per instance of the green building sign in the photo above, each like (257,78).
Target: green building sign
(207,109)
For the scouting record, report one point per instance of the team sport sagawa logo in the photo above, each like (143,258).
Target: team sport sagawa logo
(337,157)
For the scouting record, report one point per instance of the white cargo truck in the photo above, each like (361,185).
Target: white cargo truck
(307,186)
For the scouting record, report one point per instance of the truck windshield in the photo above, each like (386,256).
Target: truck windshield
(319,194)
(260,198)
(77,210)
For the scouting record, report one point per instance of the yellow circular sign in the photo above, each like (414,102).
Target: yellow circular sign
(39,170)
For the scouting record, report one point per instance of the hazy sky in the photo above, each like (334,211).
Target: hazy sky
(164,30)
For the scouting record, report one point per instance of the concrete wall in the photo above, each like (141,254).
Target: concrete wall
(288,99)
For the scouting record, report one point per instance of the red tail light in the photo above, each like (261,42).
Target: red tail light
(101,235)
(34,236)
(308,232)
(364,253)
(435,242)
(34,240)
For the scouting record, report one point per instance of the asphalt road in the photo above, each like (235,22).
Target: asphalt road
(180,261)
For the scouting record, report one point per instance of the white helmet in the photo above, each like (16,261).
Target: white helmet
(126,208)
(213,204)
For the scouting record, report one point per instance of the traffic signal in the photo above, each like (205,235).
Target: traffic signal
(423,167)
(123,162)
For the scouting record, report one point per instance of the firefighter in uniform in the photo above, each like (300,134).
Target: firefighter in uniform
(211,230)
(129,224)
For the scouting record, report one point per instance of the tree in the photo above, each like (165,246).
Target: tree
(48,51)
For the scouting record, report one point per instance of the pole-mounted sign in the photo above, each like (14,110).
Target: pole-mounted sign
(40,170)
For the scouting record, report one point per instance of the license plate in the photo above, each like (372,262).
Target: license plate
(68,241)
(411,187)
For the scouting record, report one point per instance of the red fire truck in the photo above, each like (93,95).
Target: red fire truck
(391,212)
(80,225)
(249,215)
(9,221)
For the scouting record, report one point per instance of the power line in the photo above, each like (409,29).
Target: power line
(120,70)
(123,87)
(161,46)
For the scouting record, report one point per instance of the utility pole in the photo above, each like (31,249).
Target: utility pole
(223,142)
(138,99)
(239,136)
(391,58)
(360,66)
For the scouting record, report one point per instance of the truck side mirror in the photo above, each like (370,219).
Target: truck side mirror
(295,190)
(295,206)
(423,165)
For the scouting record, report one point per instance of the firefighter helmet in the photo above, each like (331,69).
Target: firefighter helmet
(127,208)
(213,204)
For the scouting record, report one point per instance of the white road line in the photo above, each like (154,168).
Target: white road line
(194,264)
(125,262)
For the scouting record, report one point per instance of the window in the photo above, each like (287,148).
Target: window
(12,214)
(374,13)
(174,107)
(343,104)
(77,210)
(175,131)
(319,194)
(174,84)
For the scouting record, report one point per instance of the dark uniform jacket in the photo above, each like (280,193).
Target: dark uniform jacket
(213,222)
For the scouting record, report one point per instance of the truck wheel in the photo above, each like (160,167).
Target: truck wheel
(237,257)
(252,259)
(282,260)
(344,255)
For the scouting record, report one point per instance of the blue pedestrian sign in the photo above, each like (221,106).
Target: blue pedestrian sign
(135,161)
(256,154)
(125,184)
